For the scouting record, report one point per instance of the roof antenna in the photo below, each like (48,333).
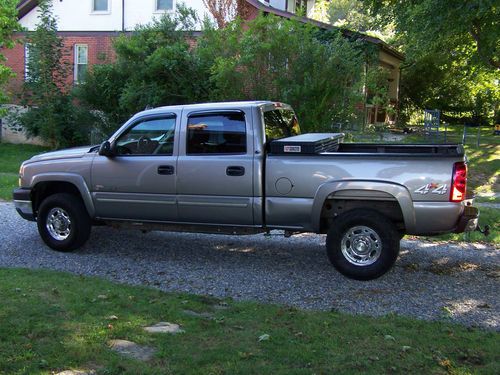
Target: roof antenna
(148,107)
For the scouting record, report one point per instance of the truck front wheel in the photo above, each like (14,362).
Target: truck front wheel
(362,244)
(63,222)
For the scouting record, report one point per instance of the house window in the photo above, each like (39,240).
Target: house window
(100,5)
(27,76)
(81,62)
(164,5)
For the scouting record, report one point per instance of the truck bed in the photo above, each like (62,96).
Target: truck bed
(381,149)
(331,144)
(400,149)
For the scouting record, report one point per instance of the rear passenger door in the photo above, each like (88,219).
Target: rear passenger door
(215,168)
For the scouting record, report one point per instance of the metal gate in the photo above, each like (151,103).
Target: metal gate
(431,121)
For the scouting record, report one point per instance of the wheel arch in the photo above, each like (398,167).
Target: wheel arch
(46,184)
(364,192)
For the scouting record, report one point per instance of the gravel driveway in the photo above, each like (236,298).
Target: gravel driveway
(457,282)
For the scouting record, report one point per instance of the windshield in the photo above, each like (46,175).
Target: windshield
(281,123)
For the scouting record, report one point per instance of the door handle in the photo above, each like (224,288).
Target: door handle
(166,169)
(235,171)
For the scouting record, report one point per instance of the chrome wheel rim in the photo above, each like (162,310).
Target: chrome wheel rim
(58,224)
(361,245)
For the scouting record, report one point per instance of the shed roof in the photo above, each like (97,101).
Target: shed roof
(346,32)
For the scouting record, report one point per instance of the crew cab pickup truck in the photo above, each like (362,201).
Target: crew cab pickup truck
(243,168)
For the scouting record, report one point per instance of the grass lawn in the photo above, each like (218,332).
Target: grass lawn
(11,157)
(484,167)
(53,321)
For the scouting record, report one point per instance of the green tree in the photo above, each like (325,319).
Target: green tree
(462,28)
(353,15)
(155,66)
(8,25)
(51,113)
(452,54)
(272,58)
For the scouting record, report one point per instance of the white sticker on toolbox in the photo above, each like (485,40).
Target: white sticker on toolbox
(292,148)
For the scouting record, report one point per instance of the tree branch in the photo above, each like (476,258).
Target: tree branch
(475,33)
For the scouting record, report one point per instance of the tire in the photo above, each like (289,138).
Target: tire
(377,239)
(63,222)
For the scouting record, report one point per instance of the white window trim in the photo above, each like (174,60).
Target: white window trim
(161,11)
(26,60)
(98,12)
(76,47)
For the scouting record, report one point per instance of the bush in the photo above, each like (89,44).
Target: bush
(269,58)
(154,66)
(59,122)
(272,58)
(52,113)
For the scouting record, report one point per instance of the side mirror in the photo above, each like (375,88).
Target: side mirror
(106,150)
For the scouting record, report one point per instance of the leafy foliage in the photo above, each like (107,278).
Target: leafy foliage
(8,25)
(278,59)
(452,51)
(352,15)
(224,11)
(155,66)
(59,122)
(467,29)
(51,113)
(268,58)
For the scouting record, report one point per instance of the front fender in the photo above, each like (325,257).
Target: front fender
(371,190)
(71,178)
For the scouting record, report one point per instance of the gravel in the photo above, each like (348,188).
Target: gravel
(433,281)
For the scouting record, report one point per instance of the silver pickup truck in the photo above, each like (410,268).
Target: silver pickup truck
(243,168)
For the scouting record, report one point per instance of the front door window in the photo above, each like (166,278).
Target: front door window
(148,137)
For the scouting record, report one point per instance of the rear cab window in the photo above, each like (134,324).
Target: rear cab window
(280,123)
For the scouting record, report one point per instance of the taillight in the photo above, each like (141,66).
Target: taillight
(458,182)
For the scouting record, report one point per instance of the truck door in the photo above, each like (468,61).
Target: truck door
(215,168)
(139,182)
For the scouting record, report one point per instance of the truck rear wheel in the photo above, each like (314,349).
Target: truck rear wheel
(362,244)
(63,222)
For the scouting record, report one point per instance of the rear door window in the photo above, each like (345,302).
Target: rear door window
(216,133)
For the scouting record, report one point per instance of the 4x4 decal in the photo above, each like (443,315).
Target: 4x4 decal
(432,188)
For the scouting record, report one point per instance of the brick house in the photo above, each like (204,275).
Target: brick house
(89,26)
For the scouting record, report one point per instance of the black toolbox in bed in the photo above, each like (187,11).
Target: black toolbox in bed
(312,143)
